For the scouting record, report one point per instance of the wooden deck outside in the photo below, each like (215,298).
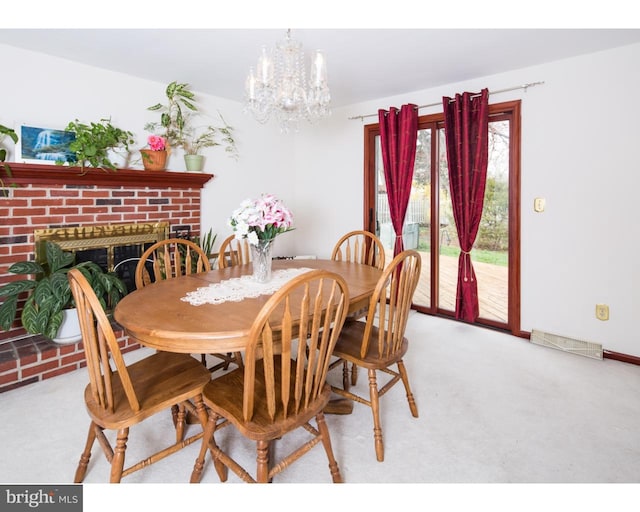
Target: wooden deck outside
(492,286)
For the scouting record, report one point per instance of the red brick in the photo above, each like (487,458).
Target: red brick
(47,221)
(99,193)
(64,193)
(79,219)
(109,218)
(73,358)
(78,202)
(50,353)
(9,365)
(9,377)
(39,368)
(64,210)
(59,371)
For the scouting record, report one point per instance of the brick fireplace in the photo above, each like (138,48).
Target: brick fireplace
(41,197)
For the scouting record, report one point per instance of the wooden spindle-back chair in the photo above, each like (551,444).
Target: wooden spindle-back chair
(282,386)
(234,252)
(119,396)
(379,343)
(176,257)
(359,246)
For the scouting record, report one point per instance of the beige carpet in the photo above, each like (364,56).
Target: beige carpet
(493,409)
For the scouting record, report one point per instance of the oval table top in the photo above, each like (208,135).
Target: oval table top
(157,317)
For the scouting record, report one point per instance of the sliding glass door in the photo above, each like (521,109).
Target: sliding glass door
(430,227)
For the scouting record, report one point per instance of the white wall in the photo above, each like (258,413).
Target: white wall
(580,131)
(50,91)
(579,137)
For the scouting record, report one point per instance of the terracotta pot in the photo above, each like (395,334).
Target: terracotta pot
(154,160)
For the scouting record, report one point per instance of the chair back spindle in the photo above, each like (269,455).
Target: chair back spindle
(170,258)
(360,247)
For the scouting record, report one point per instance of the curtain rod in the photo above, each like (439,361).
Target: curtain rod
(524,86)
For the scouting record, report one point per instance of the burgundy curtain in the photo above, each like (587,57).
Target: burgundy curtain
(398,135)
(466,127)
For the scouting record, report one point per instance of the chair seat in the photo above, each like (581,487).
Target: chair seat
(350,342)
(161,380)
(224,396)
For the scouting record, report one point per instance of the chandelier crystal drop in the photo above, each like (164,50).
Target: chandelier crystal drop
(278,87)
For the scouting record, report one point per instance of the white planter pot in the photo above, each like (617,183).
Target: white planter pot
(69,331)
(119,157)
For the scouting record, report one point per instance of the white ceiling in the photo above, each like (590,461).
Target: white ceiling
(363,64)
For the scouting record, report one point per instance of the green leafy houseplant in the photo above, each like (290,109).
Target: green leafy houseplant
(11,133)
(175,123)
(206,241)
(94,141)
(51,293)
(4,131)
(173,115)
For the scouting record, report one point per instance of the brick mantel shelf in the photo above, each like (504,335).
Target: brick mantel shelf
(42,174)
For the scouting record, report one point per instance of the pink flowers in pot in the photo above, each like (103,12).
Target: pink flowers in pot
(157,143)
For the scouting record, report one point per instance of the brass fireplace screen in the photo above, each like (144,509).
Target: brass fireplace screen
(115,247)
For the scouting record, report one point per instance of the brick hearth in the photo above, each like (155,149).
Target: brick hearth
(47,196)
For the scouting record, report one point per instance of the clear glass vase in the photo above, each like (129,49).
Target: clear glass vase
(261,260)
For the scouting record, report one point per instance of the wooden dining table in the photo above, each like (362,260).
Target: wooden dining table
(158,318)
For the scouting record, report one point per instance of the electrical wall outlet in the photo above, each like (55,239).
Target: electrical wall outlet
(538,204)
(602,312)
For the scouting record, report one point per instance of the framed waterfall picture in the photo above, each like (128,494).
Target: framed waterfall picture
(37,145)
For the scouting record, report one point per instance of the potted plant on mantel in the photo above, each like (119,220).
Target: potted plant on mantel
(195,141)
(97,144)
(50,304)
(175,125)
(4,131)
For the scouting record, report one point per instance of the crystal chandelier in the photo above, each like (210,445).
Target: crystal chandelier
(278,86)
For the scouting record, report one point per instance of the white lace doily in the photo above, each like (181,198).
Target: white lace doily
(238,288)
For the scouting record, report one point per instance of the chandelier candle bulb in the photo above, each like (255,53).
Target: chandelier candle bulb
(251,85)
(319,70)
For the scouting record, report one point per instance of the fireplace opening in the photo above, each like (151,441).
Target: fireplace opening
(116,247)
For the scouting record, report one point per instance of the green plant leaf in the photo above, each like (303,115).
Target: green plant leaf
(17,287)
(171,89)
(33,319)
(53,325)
(8,312)
(57,258)
(26,267)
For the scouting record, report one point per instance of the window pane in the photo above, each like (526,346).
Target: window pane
(449,247)
(416,232)
(490,253)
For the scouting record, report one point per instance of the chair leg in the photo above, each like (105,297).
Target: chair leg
(354,374)
(238,358)
(262,458)
(405,380)
(117,463)
(345,376)
(180,422)
(375,409)
(81,471)
(326,441)
(208,441)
